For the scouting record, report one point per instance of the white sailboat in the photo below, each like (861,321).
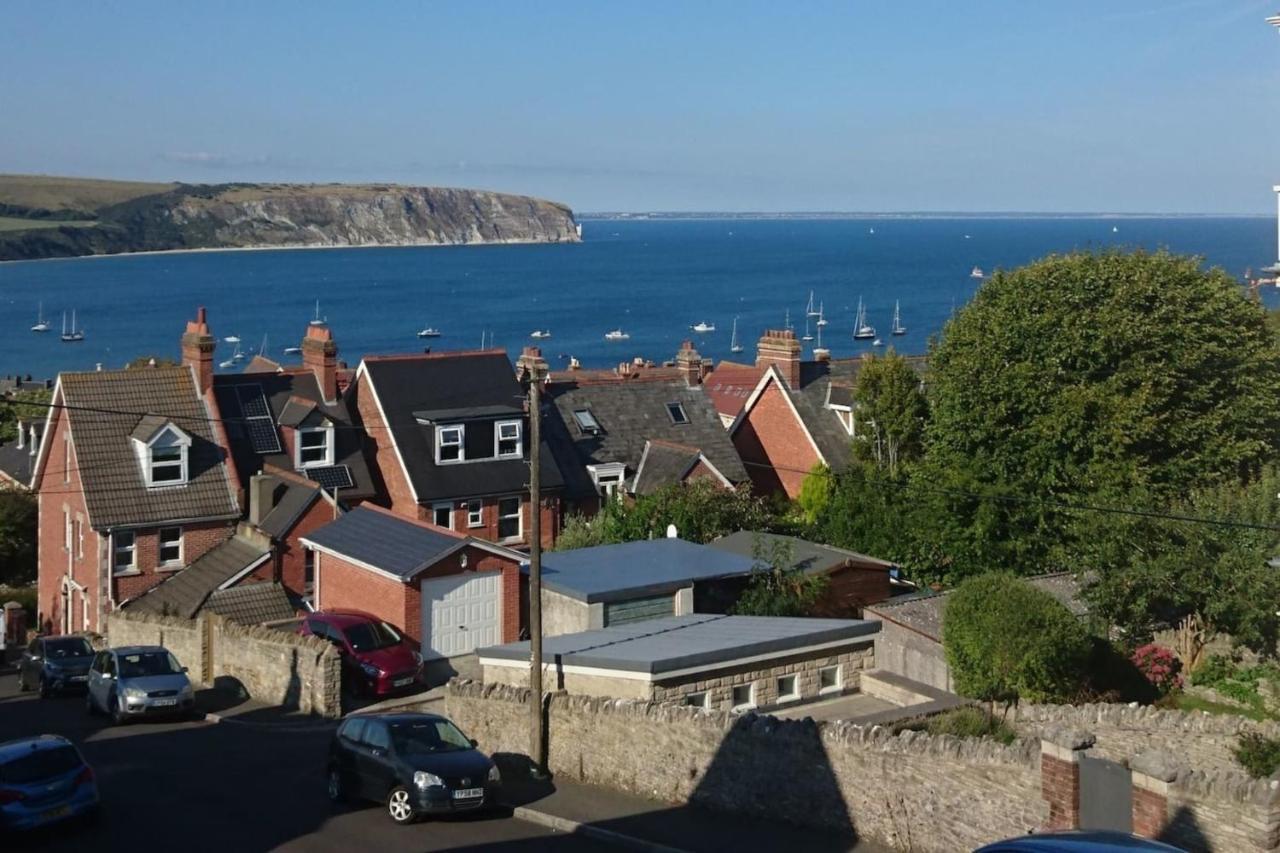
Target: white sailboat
(898,328)
(316,320)
(42,325)
(232,339)
(977,272)
(734,346)
(228,364)
(73,336)
(820,352)
(862,330)
(822,321)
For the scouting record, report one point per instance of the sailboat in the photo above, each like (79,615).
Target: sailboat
(316,321)
(862,330)
(72,336)
(822,321)
(232,339)
(977,272)
(540,334)
(42,325)
(820,352)
(734,346)
(898,328)
(237,356)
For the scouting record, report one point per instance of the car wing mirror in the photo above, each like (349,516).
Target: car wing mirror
(184,669)
(475,742)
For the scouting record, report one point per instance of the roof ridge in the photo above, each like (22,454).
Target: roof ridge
(429,356)
(425,525)
(674,444)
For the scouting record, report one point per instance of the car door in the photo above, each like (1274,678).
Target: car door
(348,747)
(94,683)
(30,663)
(377,774)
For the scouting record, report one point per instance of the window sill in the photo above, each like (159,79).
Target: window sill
(169,568)
(127,573)
(787,700)
(475,526)
(831,691)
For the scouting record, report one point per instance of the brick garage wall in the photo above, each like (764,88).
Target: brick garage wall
(291,555)
(774,445)
(912,791)
(340,585)
(180,636)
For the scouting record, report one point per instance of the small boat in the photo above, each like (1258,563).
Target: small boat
(237,356)
(316,320)
(898,328)
(616,335)
(809,309)
(42,325)
(862,330)
(73,336)
(822,320)
(977,272)
(877,343)
(704,326)
(579,229)
(540,334)
(292,350)
(232,339)
(1115,229)
(871,230)
(734,346)
(429,332)
(228,364)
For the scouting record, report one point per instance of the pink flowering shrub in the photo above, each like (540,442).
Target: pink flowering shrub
(1160,666)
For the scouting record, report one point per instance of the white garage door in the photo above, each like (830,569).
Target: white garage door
(461,613)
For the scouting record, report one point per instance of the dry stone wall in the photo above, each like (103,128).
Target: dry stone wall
(180,636)
(911,791)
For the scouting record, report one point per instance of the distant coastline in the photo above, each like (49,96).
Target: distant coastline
(600,216)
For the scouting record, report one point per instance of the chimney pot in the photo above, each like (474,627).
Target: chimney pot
(320,356)
(779,348)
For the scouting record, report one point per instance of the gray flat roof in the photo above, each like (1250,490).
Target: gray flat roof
(807,556)
(699,640)
(632,569)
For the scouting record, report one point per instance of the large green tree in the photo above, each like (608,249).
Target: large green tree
(1084,377)
(18,530)
(25,406)
(891,411)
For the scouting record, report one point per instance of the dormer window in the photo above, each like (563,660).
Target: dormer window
(507,440)
(449,443)
(314,447)
(163,452)
(168,465)
(608,477)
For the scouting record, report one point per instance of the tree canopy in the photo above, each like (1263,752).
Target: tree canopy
(25,406)
(891,411)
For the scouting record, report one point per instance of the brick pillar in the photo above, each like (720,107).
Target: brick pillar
(779,348)
(1060,752)
(320,356)
(1152,772)
(689,363)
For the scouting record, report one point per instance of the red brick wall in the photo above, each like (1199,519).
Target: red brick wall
(54,561)
(851,588)
(489,529)
(340,585)
(197,539)
(1060,787)
(290,555)
(1150,812)
(774,446)
(702,471)
(398,495)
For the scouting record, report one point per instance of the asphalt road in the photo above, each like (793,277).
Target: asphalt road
(240,785)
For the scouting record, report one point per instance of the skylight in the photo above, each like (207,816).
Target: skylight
(676,411)
(587,422)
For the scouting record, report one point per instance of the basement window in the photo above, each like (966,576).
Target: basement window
(829,680)
(744,697)
(788,688)
(698,700)
(677,414)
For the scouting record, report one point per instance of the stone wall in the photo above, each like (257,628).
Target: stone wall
(911,791)
(564,615)
(274,667)
(910,654)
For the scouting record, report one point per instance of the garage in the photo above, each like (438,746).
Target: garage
(461,613)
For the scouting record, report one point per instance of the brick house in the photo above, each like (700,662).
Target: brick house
(630,433)
(448,438)
(134,484)
(448,592)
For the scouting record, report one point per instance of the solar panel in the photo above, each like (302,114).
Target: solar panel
(258,422)
(332,476)
(253,403)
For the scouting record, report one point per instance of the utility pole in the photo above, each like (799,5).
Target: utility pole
(1274,21)
(533,371)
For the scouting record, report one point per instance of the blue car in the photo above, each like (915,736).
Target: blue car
(1079,842)
(44,780)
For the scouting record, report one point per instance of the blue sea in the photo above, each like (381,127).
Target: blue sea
(651,278)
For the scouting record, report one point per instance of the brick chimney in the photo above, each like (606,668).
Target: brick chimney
(689,363)
(779,347)
(531,364)
(320,356)
(197,350)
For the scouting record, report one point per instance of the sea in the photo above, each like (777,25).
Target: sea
(651,278)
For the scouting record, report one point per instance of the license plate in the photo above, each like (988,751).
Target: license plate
(54,814)
(403,682)
(468,793)
(163,703)
(79,678)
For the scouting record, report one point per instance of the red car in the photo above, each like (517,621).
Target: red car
(376,656)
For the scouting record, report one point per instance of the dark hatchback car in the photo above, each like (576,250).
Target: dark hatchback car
(415,764)
(1079,842)
(376,658)
(44,780)
(55,664)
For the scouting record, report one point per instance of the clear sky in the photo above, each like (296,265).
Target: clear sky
(868,105)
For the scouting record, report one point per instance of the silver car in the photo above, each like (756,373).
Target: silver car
(138,681)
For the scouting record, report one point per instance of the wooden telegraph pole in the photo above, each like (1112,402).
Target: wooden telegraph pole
(533,372)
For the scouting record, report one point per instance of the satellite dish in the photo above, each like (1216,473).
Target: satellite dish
(672,533)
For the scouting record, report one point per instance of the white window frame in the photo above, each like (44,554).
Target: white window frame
(844,414)
(447,507)
(498,438)
(475,513)
(519,517)
(79,537)
(461,443)
(117,549)
(677,406)
(704,704)
(751,697)
(160,546)
(66,530)
(839,683)
(794,694)
(608,478)
(66,458)
(299,463)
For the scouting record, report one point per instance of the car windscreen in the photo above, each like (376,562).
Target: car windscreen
(427,738)
(40,764)
(141,664)
(72,647)
(369,636)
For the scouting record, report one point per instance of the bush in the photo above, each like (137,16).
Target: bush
(962,723)
(1112,676)
(1258,755)
(1213,671)
(24,595)
(1006,641)
(1160,666)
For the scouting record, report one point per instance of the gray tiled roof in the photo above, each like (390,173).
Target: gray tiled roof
(292,500)
(252,603)
(19,462)
(631,569)
(184,592)
(384,541)
(631,413)
(114,486)
(658,646)
(806,555)
(663,464)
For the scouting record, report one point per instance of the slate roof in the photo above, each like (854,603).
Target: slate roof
(387,542)
(185,592)
(292,499)
(453,386)
(635,569)
(661,464)
(252,603)
(289,395)
(729,385)
(695,641)
(631,413)
(809,556)
(115,488)
(17,462)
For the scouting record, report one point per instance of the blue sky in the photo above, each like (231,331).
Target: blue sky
(1088,105)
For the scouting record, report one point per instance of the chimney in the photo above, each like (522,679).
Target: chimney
(262,496)
(320,356)
(689,363)
(779,347)
(531,363)
(22,433)
(197,351)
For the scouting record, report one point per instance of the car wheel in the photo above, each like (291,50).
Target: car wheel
(118,715)
(337,789)
(400,805)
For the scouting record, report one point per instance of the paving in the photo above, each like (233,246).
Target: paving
(851,707)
